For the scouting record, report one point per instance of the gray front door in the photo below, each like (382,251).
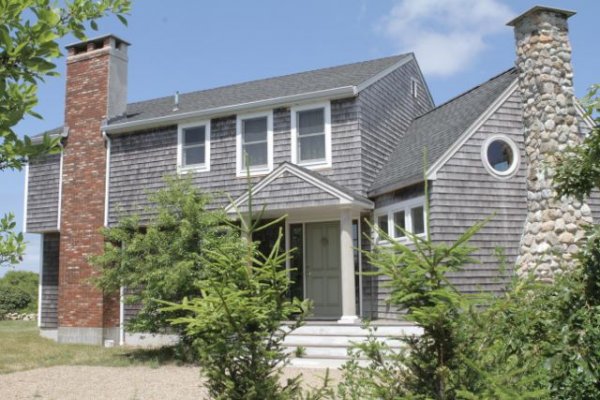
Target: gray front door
(323,270)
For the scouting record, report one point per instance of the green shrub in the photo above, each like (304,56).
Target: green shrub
(13,299)
(19,292)
(164,259)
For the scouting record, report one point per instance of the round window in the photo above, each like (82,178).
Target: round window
(500,156)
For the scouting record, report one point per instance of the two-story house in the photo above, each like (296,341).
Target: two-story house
(330,149)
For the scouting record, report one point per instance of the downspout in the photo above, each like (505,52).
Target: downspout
(106,211)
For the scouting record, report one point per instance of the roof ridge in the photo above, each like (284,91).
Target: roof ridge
(450,100)
(398,56)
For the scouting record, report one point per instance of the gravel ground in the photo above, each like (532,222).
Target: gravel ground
(99,383)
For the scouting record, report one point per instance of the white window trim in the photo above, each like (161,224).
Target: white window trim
(183,169)
(240,168)
(405,206)
(516,157)
(319,164)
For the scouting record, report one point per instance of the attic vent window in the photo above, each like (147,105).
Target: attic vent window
(414,88)
(500,156)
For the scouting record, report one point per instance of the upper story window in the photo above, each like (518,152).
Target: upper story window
(254,143)
(407,215)
(311,135)
(193,147)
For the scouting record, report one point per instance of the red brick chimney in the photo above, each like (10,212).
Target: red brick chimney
(96,90)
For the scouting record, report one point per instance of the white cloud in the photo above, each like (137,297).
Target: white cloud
(445,35)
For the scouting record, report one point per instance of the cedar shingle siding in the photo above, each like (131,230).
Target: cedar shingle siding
(49,280)
(42,194)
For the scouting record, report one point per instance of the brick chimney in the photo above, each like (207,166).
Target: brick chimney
(554,226)
(96,90)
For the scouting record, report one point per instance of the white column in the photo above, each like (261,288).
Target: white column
(347,264)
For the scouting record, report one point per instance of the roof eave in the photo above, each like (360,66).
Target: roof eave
(391,187)
(40,139)
(330,94)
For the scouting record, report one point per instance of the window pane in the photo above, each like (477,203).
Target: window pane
(255,129)
(255,154)
(399,221)
(500,155)
(382,223)
(194,135)
(311,121)
(418,220)
(296,261)
(311,148)
(193,155)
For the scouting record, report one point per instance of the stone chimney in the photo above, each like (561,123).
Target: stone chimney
(554,226)
(96,90)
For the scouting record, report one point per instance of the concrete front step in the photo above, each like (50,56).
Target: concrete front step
(334,341)
(356,330)
(325,345)
(317,362)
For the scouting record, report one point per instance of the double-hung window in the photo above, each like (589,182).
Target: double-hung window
(311,135)
(193,149)
(405,216)
(254,144)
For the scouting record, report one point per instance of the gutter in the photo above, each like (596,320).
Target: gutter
(40,139)
(341,92)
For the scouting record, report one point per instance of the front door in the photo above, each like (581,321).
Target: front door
(323,270)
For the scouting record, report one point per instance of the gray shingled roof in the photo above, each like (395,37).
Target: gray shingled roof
(52,132)
(437,130)
(264,89)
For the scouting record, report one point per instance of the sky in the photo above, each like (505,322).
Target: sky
(184,45)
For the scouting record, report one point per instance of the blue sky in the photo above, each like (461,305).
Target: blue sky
(192,45)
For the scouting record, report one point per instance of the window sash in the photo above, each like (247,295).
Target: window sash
(191,143)
(259,140)
(307,135)
(185,149)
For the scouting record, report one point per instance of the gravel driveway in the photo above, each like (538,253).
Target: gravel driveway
(127,383)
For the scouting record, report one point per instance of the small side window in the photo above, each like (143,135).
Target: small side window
(402,217)
(399,222)
(417,216)
(382,223)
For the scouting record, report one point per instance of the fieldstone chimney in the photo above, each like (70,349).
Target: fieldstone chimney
(554,226)
(96,90)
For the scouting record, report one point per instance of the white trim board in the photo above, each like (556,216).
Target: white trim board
(106,179)
(25,195)
(471,130)
(60,188)
(586,118)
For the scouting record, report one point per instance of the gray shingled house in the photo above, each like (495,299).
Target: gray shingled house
(330,149)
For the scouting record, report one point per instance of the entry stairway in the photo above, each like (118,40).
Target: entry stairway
(325,344)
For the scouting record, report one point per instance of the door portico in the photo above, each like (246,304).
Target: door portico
(322,222)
